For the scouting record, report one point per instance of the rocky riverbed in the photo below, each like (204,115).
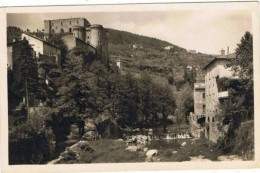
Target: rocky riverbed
(142,147)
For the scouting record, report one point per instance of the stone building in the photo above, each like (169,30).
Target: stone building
(214,70)
(12,53)
(63,26)
(44,49)
(199,100)
(87,35)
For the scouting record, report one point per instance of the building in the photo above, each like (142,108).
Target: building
(168,47)
(215,70)
(199,100)
(13,49)
(87,35)
(63,26)
(222,52)
(44,49)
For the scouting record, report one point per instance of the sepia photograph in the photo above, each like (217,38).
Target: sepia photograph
(130,86)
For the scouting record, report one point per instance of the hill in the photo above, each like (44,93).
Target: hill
(141,53)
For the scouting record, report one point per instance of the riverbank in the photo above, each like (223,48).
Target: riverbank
(115,151)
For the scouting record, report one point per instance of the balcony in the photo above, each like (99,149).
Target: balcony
(223,94)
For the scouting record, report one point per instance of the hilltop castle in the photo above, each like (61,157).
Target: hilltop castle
(78,32)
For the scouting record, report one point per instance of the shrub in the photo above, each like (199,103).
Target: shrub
(31,142)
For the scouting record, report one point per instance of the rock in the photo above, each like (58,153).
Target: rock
(136,130)
(183,144)
(120,140)
(90,135)
(90,126)
(230,158)
(84,145)
(145,149)
(132,148)
(151,153)
(139,139)
(174,152)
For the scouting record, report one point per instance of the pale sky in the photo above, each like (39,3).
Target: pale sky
(203,31)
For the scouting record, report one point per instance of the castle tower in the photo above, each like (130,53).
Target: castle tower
(47,28)
(79,32)
(98,39)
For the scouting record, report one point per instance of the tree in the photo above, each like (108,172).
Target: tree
(242,65)
(239,106)
(25,81)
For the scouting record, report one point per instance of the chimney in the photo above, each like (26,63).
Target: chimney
(228,50)
(222,52)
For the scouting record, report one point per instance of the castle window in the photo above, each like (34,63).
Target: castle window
(213,119)
(203,95)
(69,29)
(61,23)
(70,22)
(208,119)
(77,22)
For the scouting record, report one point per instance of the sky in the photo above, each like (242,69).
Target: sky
(203,31)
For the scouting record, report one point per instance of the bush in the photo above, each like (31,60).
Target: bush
(31,142)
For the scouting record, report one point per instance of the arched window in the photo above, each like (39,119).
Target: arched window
(213,119)
(69,29)
(208,119)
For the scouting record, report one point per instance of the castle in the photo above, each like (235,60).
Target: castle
(78,32)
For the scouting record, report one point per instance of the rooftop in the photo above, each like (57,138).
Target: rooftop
(41,40)
(215,60)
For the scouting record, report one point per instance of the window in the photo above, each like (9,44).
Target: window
(61,23)
(69,29)
(203,95)
(208,119)
(213,119)
(70,22)
(77,22)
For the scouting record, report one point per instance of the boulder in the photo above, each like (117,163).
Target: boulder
(145,149)
(107,126)
(90,135)
(151,153)
(90,125)
(183,144)
(132,148)
(120,140)
(174,152)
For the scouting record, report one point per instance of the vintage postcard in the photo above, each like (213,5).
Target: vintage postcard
(130,87)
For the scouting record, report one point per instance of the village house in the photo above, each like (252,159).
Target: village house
(215,70)
(43,49)
(12,53)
